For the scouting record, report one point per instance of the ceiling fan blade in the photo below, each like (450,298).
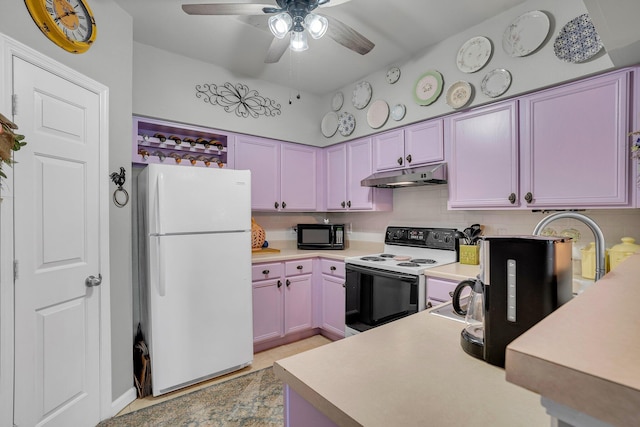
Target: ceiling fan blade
(330,3)
(276,50)
(348,37)
(226,9)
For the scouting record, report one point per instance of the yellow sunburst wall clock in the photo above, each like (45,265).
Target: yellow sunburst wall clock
(68,23)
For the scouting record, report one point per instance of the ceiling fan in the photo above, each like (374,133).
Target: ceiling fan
(291,18)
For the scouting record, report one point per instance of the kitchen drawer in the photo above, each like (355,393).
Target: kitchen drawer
(301,266)
(332,267)
(266,271)
(440,289)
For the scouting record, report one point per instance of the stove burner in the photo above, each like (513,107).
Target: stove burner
(408,264)
(372,258)
(387,255)
(423,261)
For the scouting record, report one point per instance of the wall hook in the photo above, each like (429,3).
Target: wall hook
(119,179)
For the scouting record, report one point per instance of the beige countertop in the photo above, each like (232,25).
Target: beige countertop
(455,271)
(289,251)
(411,372)
(586,354)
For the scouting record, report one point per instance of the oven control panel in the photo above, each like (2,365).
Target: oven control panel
(432,238)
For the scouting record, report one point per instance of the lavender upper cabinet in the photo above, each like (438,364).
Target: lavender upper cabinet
(262,157)
(283,175)
(415,145)
(573,143)
(483,157)
(298,177)
(347,164)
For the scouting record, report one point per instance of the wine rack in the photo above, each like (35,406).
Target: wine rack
(156,141)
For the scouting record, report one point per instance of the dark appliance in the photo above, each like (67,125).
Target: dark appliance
(525,278)
(386,286)
(320,236)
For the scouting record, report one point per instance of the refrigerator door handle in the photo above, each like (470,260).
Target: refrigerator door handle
(159,199)
(162,286)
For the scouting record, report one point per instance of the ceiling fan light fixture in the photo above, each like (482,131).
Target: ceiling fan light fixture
(299,41)
(316,25)
(280,24)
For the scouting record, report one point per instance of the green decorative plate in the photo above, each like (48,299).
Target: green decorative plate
(428,88)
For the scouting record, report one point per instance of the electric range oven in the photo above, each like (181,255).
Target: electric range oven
(384,287)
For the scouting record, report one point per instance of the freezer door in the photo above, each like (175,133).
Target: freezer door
(200,307)
(198,200)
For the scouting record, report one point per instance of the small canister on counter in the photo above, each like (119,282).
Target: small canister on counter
(622,251)
(589,261)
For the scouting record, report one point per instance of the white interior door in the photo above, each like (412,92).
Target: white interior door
(57,238)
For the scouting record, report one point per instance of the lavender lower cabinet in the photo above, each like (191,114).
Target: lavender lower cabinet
(282,303)
(332,305)
(300,413)
(439,290)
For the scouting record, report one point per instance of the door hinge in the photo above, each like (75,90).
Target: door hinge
(15,270)
(14,104)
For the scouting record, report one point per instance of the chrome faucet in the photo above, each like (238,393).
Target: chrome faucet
(599,237)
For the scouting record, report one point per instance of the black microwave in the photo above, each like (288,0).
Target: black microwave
(320,236)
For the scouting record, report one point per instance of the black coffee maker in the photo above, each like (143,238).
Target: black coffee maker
(523,279)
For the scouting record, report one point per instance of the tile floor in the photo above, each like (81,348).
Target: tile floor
(261,360)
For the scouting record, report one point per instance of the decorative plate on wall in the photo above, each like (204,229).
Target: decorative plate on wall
(398,111)
(361,95)
(393,75)
(474,54)
(337,101)
(428,88)
(378,114)
(346,123)
(459,94)
(526,33)
(496,82)
(329,124)
(578,40)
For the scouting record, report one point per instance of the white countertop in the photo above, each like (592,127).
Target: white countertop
(289,251)
(586,354)
(411,372)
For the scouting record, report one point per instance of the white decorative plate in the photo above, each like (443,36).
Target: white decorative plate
(393,75)
(578,40)
(346,123)
(496,82)
(398,111)
(428,88)
(361,95)
(526,33)
(459,94)
(337,101)
(474,54)
(377,114)
(329,124)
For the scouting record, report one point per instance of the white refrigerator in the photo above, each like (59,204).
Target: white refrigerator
(196,237)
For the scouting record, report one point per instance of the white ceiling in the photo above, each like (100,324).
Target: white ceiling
(400,29)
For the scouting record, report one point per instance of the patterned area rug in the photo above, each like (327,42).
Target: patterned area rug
(254,399)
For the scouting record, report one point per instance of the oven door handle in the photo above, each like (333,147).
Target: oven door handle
(384,273)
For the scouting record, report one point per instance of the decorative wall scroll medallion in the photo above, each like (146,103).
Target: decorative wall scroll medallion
(238,99)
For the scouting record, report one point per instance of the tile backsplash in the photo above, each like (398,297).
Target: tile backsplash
(427,206)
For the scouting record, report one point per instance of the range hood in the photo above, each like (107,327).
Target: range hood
(411,177)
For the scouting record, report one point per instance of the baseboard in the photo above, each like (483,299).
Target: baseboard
(121,402)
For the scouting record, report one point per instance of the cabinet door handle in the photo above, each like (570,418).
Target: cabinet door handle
(279,284)
(400,161)
(451,294)
(349,204)
(512,198)
(332,268)
(408,158)
(299,267)
(429,304)
(528,197)
(265,272)
(284,205)
(288,282)
(343,204)
(276,205)
(344,285)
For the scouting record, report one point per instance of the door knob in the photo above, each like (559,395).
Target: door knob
(512,198)
(528,197)
(92,281)
(284,205)
(408,158)
(276,204)
(343,204)
(400,160)
(279,283)
(349,204)
(288,282)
